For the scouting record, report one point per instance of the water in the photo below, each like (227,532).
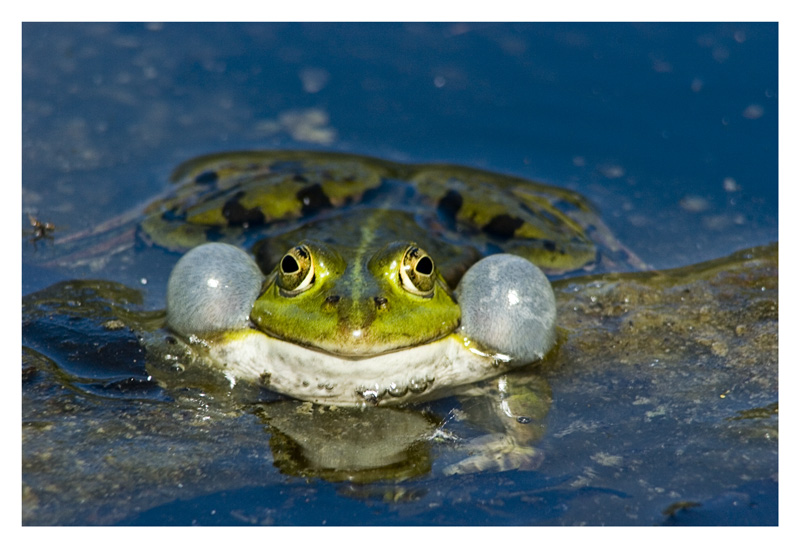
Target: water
(671,130)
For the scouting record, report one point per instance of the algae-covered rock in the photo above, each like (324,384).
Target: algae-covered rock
(666,385)
(704,333)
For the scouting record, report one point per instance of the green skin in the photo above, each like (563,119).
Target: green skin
(358,303)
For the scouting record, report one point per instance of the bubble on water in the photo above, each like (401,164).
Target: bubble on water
(730,184)
(612,171)
(753,112)
(694,204)
(314,79)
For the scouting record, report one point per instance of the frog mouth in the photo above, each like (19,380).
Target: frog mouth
(356,343)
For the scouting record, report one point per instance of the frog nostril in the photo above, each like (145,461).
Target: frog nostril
(332,299)
(381,302)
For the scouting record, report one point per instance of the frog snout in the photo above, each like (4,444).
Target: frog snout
(355,314)
(338,302)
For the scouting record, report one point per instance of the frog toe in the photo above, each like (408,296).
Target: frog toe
(212,289)
(508,305)
(496,453)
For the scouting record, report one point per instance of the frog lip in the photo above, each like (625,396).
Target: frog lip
(354,345)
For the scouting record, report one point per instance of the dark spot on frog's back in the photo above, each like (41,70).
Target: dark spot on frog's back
(503,226)
(206,178)
(237,214)
(313,199)
(449,206)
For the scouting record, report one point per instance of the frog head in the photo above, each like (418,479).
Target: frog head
(351,324)
(356,302)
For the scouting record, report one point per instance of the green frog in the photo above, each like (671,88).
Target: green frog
(354,282)
(363,324)
(369,282)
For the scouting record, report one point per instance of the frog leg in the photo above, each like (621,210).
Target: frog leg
(220,196)
(95,245)
(555,228)
(508,309)
(510,214)
(520,400)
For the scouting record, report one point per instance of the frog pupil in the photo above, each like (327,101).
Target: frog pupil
(416,272)
(289,265)
(425,266)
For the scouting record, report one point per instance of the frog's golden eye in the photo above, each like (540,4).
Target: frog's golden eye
(296,271)
(417,272)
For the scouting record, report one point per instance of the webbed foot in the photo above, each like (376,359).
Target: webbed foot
(496,453)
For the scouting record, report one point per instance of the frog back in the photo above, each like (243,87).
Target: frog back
(244,198)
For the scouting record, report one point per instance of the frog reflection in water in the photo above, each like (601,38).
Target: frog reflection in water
(373,283)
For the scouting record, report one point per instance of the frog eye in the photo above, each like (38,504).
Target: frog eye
(417,272)
(296,270)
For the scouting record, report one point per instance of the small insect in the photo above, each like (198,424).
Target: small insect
(41,230)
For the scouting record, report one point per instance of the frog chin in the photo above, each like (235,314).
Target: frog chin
(416,373)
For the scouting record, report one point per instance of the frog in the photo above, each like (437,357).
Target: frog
(360,325)
(349,281)
(370,282)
